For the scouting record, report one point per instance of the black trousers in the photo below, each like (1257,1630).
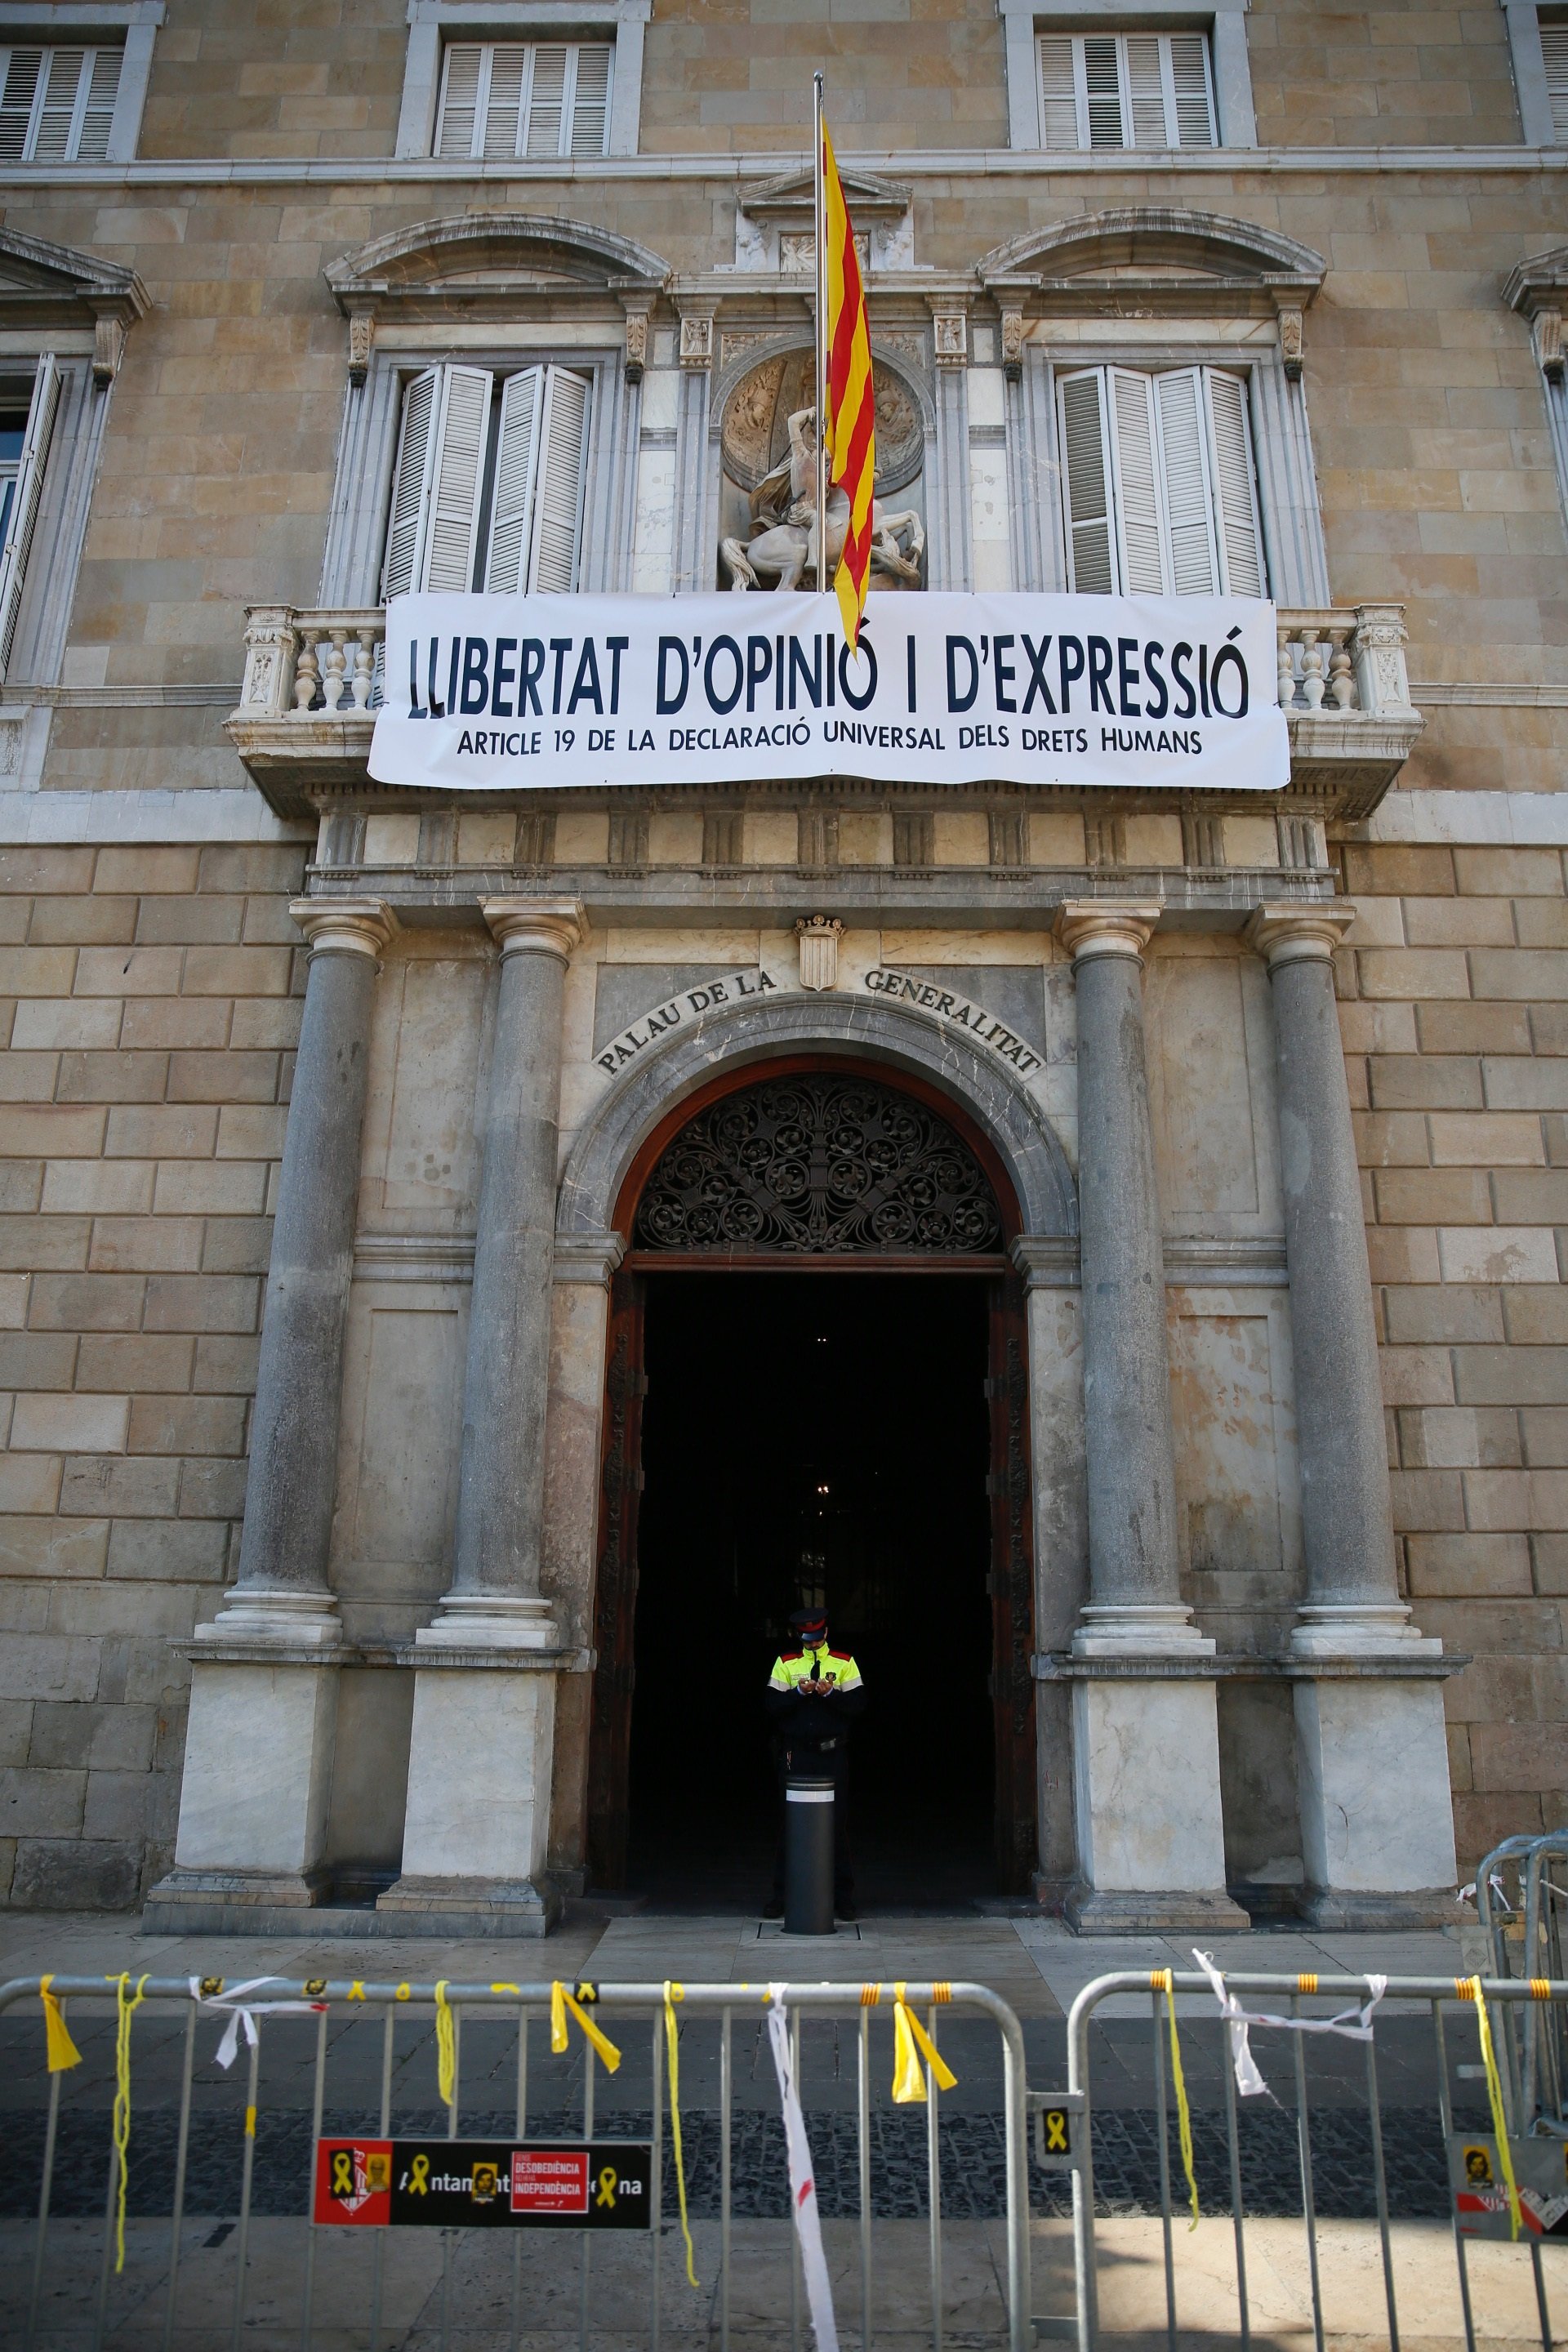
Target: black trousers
(830,1764)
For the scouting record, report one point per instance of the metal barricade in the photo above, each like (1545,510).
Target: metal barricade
(1526,1936)
(503,2024)
(1487,2207)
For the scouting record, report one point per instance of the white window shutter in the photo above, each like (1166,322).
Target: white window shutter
(457,479)
(517,467)
(503,112)
(1555,55)
(17,93)
(1086,470)
(1194,97)
(97,105)
(64,70)
(30,498)
(1189,510)
(1235,487)
(1136,476)
(1145,90)
(547,100)
(410,484)
(1102,83)
(463,70)
(558,504)
(1058,91)
(591,101)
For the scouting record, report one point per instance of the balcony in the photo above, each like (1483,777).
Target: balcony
(312,682)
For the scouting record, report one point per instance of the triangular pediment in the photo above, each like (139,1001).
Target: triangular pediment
(790,198)
(41,280)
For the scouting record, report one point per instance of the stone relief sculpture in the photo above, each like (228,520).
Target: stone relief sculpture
(784,524)
(768,535)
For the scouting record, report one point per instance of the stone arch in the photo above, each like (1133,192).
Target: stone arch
(483,256)
(746,1036)
(1091,246)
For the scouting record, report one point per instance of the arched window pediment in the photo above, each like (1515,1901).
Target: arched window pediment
(491,261)
(1180,261)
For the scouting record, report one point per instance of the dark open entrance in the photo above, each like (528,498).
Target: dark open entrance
(816,1391)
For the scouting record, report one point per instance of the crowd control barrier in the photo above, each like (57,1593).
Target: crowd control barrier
(1527,1934)
(615,2172)
(1508,2180)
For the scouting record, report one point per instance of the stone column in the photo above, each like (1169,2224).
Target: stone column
(1372,1760)
(484,1706)
(1151,1849)
(259,1749)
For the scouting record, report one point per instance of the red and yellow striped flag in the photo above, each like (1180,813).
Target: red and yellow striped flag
(851,402)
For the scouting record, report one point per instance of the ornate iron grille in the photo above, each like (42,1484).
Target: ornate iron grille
(815,1164)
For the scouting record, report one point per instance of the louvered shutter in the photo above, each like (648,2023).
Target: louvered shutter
(591,102)
(463,73)
(517,467)
(53,142)
(558,504)
(1554,55)
(503,111)
(1103,85)
(20,88)
(410,481)
(1235,487)
(1193,100)
(546,98)
(30,498)
(1189,513)
(1136,479)
(1145,89)
(1058,91)
(457,479)
(97,105)
(1086,465)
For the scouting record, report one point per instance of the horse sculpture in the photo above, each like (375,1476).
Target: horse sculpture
(783,524)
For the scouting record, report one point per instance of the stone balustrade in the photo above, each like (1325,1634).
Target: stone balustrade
(1345,661)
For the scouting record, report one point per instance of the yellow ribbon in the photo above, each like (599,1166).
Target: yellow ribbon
(419,2177)
(561,2000)
(1470,1988)
(1162,1982)
(607,2195)
(672,1993)
(910,2043)
(60,2049)
(446,2047)
(125,2012)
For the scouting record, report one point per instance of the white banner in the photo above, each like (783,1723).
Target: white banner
(487,693)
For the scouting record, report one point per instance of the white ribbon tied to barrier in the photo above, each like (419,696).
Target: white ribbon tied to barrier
(233,2005)
(1248,2081)
(802,2184)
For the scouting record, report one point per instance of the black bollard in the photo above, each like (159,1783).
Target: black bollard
(808,1858)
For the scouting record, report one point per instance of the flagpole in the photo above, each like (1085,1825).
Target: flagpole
(820,207)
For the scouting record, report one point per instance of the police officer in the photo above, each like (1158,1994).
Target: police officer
(815,1693)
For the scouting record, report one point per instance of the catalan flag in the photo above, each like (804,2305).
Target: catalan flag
(851,437)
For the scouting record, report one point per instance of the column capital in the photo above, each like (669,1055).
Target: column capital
(536,926)
(1288,934)
(1097,927)
(345,926)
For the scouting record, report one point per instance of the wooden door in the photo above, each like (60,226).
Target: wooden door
(615,1587)
(1012,1581)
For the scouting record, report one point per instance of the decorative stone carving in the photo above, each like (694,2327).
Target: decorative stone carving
(817,1163)
(361,336)
(755,434)
(819,936)
(783,524)
(951,330)
(1291,333)
(1013,345)
(697,338)
(107,349)
(1546,334)
(637,345)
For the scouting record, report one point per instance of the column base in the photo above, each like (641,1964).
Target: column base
(1430,1906)
(257,1768)
(1093,1911)
(468,1906)
(229,1901)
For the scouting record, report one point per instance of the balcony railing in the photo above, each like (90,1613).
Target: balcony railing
(313,685)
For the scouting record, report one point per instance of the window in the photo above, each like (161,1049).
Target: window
(27,433)
(1159,490)
(1125,89)
(524,98)
(1554,58)
(57,106)
(487,492)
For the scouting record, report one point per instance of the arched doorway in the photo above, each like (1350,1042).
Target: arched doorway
(816,1388)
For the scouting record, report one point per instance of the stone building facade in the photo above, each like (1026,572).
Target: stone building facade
(228,280)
